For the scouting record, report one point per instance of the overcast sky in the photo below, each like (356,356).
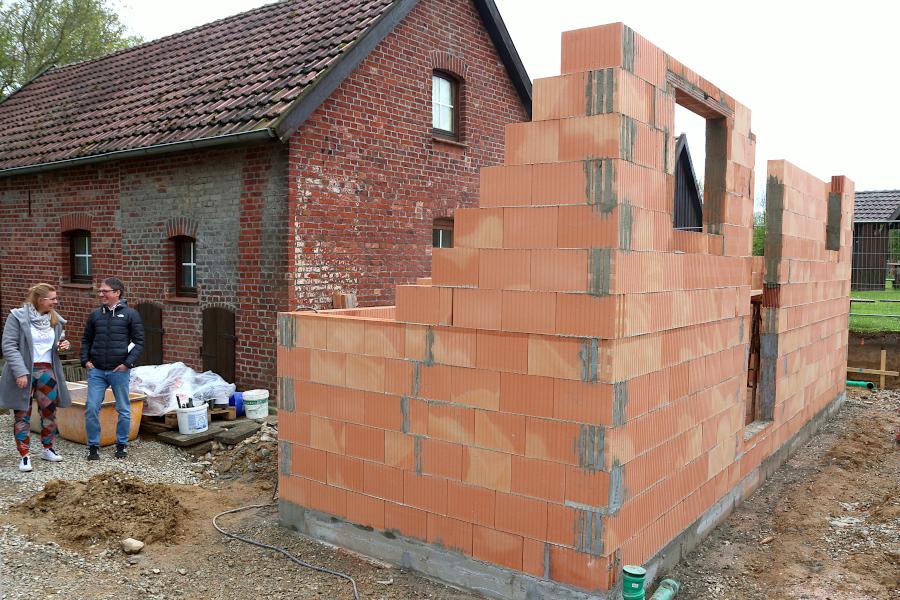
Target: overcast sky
(819,77)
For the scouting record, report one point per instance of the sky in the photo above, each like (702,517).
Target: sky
(820,78)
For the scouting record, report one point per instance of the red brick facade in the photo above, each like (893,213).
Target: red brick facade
(366,176)
(335,207)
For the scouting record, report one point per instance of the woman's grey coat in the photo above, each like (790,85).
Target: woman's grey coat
(17,347)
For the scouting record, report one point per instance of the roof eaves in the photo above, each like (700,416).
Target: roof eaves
(328,81)
(219,140)
(493,22)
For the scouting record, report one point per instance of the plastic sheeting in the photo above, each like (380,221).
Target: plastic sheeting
(168,385)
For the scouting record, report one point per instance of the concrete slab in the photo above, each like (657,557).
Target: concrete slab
(232,432)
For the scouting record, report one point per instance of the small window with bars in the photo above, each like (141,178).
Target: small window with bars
(442,233)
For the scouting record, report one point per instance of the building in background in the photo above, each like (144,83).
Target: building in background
(253,165)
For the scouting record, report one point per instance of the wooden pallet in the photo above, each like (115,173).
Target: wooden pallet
(170,420)
(223,413)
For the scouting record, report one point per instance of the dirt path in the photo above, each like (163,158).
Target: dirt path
(827,525)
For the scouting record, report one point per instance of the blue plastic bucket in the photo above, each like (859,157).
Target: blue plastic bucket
(237,401)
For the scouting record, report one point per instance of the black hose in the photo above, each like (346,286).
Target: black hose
(281,550)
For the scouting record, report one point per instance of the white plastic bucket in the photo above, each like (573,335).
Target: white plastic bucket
(192,420)
(256,404)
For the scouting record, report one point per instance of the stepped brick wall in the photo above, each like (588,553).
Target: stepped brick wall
(568,393)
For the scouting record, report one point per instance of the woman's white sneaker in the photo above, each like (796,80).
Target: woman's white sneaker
(25,463)
(51,455)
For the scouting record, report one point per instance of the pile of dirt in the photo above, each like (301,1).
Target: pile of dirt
(106,509)
(253,460)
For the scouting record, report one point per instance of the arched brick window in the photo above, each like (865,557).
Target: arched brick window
(447,96)
(76,227)
(445,105)
(80,256)
(185,266)
(183,233)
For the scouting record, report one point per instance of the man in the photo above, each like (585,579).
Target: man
(113,341)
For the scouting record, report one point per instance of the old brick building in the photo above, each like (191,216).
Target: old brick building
(254,165)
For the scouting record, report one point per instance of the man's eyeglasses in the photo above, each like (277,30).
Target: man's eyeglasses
(105,291)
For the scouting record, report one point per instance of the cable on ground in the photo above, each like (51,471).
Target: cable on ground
(290,556)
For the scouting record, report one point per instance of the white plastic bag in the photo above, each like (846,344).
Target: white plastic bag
(159,383)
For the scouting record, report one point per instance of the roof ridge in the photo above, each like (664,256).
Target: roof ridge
(897,191)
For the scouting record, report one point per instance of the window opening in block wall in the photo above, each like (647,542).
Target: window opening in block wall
(442,233)
(753,362)
(690,150)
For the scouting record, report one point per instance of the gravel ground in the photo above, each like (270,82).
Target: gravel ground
(825,526)
(20,558)
(202,564)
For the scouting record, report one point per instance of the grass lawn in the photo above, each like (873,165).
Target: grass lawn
(876,324)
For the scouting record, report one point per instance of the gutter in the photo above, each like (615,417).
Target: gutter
(219,140)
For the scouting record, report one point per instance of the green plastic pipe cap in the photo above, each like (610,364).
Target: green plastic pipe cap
(633,582)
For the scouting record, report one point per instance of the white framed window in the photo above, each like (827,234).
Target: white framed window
(80,256)
(442,233)
(444,105)
(185,266)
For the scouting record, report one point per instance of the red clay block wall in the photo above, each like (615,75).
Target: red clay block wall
(805,309)
(367,178)
(567,394)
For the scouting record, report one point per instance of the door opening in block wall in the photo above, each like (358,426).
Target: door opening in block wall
(753,362)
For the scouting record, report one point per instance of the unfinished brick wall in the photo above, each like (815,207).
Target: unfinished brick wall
(568,392)
(805,325)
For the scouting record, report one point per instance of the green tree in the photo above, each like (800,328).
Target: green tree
(759,233)
(37,34)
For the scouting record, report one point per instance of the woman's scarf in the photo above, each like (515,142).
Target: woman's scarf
(38,321)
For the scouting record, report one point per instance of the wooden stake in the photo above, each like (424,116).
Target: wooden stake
(883,367)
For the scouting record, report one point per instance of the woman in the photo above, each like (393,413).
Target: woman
(31,344)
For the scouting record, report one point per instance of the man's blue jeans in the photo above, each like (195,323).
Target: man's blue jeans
(98,381)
